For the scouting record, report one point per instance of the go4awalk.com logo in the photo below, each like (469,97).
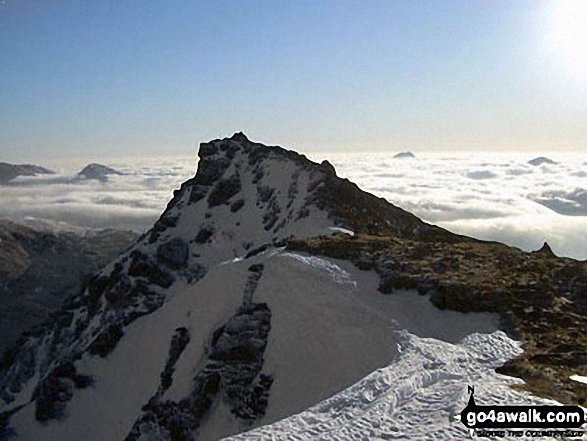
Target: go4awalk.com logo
(522,421)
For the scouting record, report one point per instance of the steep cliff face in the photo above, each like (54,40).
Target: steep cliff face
(224,317)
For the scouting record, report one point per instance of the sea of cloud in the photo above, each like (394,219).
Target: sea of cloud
(493,197)
(131,201)
(497,197)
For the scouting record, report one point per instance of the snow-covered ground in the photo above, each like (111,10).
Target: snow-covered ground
(420,396)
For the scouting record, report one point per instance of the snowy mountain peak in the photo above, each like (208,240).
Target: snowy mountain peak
(244,199)
(241,185)
(209,327)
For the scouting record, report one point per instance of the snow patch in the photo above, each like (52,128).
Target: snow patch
(579,378)
(341,230)
(417,396)
(334,271)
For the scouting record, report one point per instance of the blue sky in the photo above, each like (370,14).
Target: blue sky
(129,77)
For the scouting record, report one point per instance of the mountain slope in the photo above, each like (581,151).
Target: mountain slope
(40,268)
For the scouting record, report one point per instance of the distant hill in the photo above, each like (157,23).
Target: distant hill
(404,155)
(10,171)
(98,171)
(541,160)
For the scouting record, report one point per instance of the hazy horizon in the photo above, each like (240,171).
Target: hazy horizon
(70,162)
(98,79)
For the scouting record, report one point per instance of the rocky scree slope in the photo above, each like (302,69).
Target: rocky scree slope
(129,322)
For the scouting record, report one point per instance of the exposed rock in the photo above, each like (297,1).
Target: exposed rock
(328,169)
(174,253)
(163,223)
(105,343)
(204,235)
(546,251)
(271,216)
(224,190)
(142,266)
(179,341)
(210,170)
(56,390)
(237,205)
(264,194)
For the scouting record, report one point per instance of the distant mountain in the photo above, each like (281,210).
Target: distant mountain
(404,155)
(245,305)
(98,171)
(11,171)
(39,269)
(541,160)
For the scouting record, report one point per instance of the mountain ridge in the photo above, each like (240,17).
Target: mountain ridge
(9,172)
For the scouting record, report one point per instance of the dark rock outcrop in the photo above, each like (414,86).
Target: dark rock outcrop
(105,343)
(179,341)
(56,390)
(141,265)
(224,190)
(545,251)
(174,253)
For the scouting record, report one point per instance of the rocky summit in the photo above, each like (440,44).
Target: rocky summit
(268,285)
